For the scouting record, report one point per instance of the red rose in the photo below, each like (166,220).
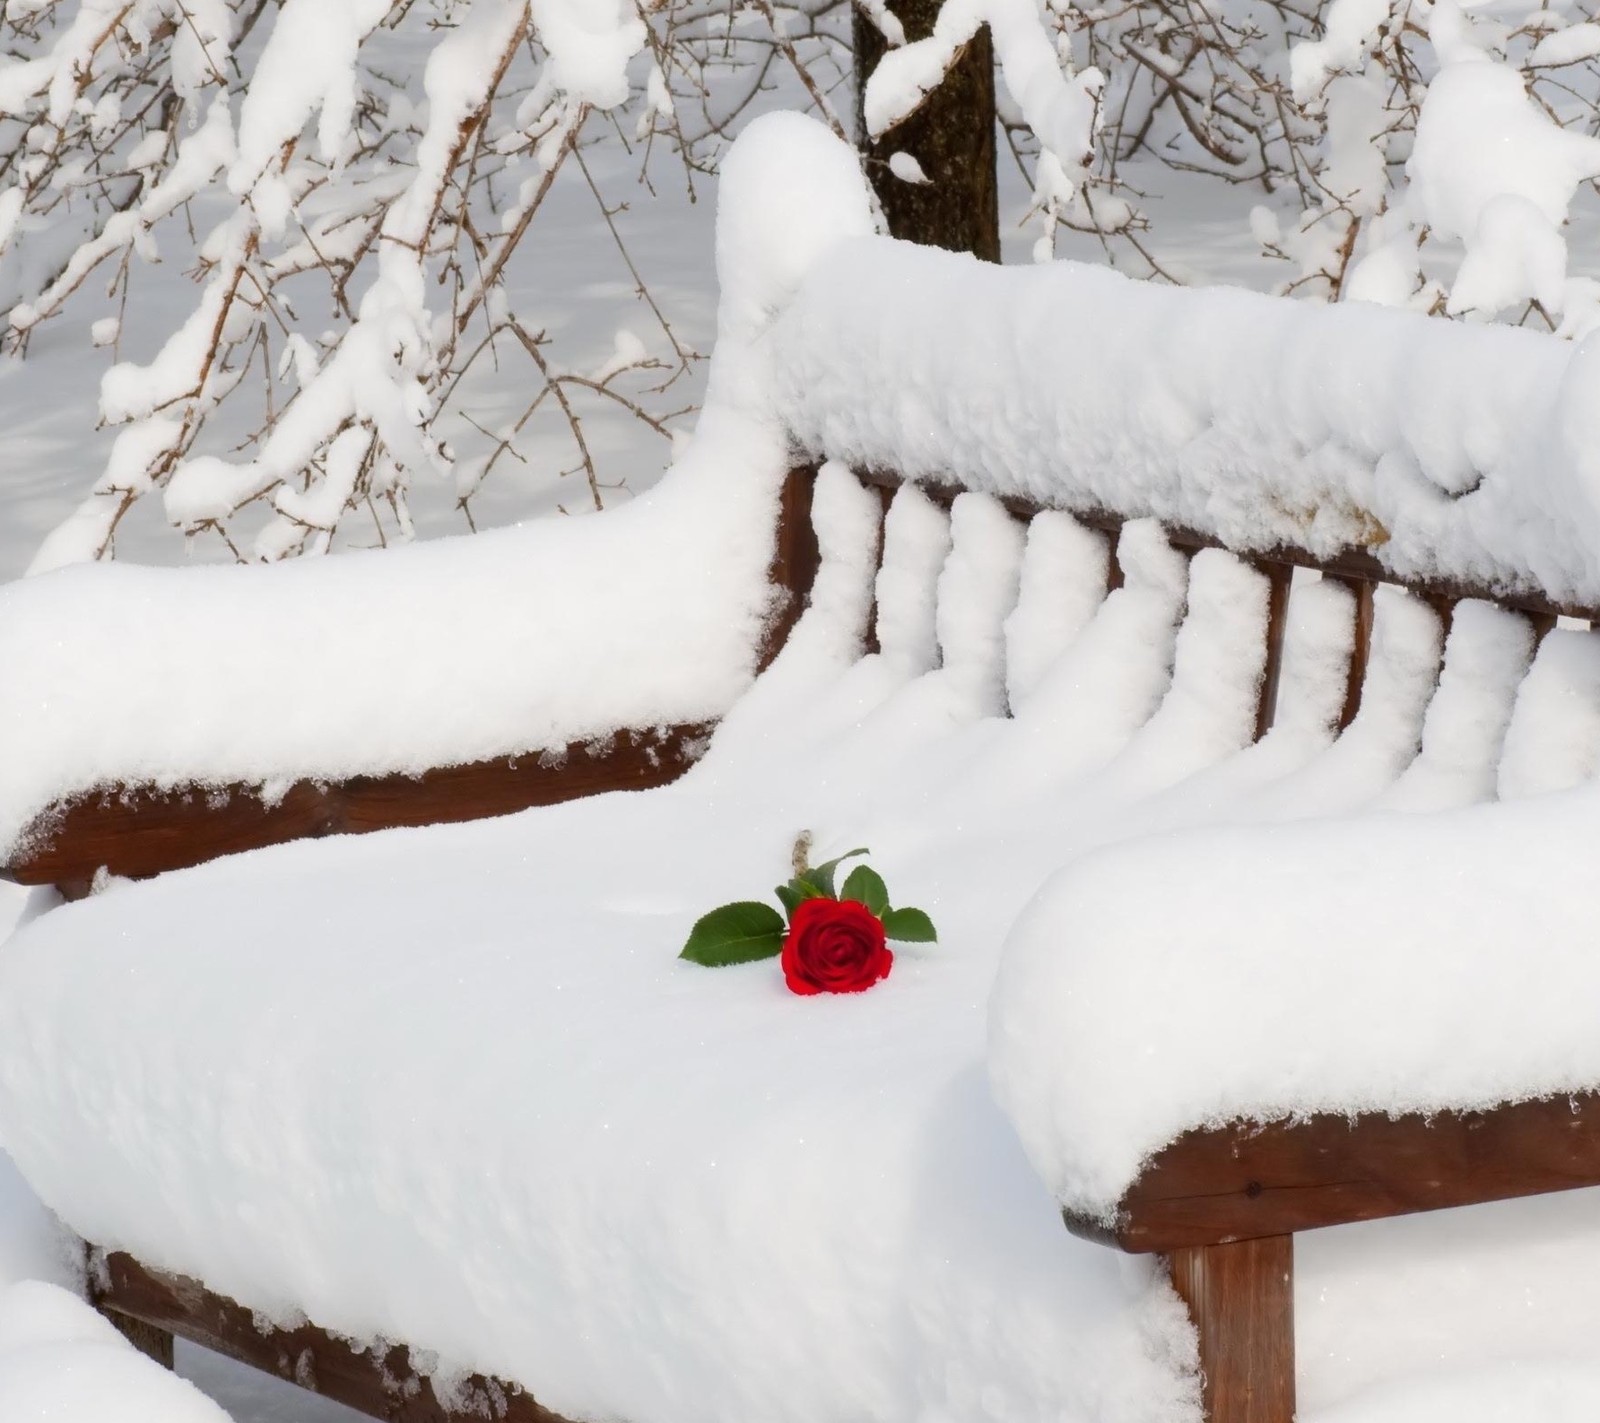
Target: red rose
(834,946)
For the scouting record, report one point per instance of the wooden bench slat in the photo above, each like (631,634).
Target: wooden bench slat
(796,557)
(1360,648)
(1246,1182)
(382,1385)
(1279,576)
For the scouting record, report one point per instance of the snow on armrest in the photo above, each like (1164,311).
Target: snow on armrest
(1325,1021)
(470,657)
(365,670)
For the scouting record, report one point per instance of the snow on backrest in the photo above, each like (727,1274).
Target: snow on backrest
(1065,568)
(1553,741)
(977,590)
(1382,741)
(1485,657)
(1316,656)
(1114,675)
(916,542)
(1217,664)
(1447,451)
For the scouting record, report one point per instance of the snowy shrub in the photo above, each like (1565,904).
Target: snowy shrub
(350,186)
(1400,151)
(352,181)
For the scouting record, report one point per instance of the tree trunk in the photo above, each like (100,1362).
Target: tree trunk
(952,137)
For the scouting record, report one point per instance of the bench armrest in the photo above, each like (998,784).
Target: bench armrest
(137,824)
(144,831)
(1247,1181)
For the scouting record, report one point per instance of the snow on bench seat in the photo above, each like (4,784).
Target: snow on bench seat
(451,1086)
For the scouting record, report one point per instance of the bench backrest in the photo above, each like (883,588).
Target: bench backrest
(137,831)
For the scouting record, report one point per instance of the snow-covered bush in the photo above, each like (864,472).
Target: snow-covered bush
(352,182)
(1405,152)
(353,186)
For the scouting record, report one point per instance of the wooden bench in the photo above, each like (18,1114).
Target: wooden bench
(1221,1204)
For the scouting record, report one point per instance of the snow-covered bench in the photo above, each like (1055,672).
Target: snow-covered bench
(448,1090)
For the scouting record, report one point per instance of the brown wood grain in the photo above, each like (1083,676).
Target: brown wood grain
(1115,577)
(1245,1181)
(143,831)
(1360,647)
(1241,1298)
(1279,577)
(381,1382)
(796,556)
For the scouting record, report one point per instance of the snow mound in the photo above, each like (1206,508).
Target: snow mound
(648,1190)
(1382,964)
(60,1362)
(1448,451)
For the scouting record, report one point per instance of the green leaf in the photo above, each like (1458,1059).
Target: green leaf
(735,933)
(865,885)
(794,893)
(910,926)
(822,875)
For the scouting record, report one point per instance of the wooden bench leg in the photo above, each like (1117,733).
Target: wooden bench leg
(1241,1298)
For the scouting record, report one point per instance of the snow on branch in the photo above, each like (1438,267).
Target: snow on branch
(346,178)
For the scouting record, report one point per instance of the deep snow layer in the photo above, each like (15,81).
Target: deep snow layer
(1381,963)
(60,1362)
(1448,450)
(650,1190)
(435,654)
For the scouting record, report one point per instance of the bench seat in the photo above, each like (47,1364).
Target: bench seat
(447,1096)
(415,1089)
(450,1087)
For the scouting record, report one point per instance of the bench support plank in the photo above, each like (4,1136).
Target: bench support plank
(1246,1181)
(1241,1297)
(382,1383)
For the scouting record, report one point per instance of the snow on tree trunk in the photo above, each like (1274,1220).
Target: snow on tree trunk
(934,173)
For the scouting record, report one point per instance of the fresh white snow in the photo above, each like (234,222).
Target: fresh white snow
(59,1360)
(653,1191)
(1454,451)
(1384,963)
